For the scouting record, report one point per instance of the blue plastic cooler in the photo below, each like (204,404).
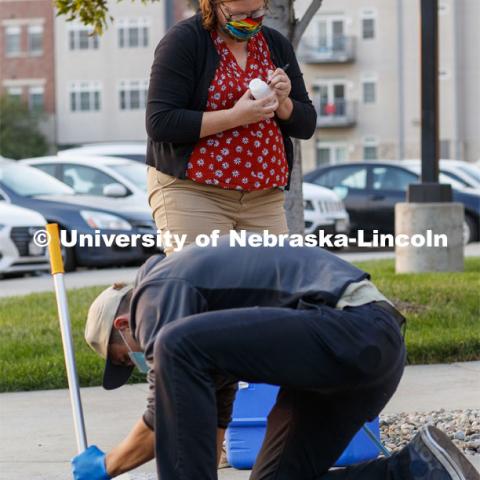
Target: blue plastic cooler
(245,434)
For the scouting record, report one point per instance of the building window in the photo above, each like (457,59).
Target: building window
(81,38)
(35,39)
(370,152)
(330,153)
(368,28)
(133,94)
(85,97)
(369,91)
(36,98)
(330,34)
(331,96)
(15,93)
(370,148)
(133,32)
(13,41)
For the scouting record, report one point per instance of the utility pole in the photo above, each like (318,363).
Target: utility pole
(429,190)
(429,205)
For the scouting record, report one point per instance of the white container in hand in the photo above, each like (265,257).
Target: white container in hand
(259,88)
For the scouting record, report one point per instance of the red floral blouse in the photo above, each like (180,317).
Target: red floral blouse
(248,157)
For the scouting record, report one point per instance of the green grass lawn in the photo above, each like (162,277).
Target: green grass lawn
(443,310)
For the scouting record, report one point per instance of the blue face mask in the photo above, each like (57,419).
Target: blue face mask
(138,359)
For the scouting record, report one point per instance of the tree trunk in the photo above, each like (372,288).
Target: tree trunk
(294,197)
(282,18)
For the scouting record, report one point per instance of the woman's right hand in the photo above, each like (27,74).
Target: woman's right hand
(248,110)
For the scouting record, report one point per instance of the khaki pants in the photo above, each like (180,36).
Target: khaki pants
(183,206)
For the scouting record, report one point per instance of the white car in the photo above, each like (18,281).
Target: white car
(18,252)
(122,178)
(132,150)
(443,177)
(464,173)
(104,176)
(470,224)
(324,210)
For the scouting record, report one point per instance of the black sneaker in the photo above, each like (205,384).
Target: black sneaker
(433,456)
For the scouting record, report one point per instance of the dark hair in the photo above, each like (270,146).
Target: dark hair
(115,337)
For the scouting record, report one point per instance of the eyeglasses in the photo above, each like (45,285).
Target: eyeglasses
(237,17)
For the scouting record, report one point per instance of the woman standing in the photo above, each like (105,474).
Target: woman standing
(218,158)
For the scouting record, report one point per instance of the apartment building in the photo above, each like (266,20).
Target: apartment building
(102,81)
(361,64)
(26,57)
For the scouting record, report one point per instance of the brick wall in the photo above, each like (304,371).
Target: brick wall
(25,66)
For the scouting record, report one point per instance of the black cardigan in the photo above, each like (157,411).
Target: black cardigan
(183,68)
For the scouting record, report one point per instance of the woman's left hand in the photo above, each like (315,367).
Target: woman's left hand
(280,84)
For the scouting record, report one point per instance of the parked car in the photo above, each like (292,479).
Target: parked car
(323,210)
(465,173)
(370,191)
(18,252)
(131,150)
(468,196)
(98,175)
(120,177)
(29,187)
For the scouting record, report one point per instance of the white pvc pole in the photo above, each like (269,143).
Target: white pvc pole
(56,263)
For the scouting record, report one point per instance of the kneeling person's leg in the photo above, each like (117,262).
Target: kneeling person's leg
(185,412)
(308,431)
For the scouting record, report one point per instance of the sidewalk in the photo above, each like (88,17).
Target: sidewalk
(106,276)
(37,439)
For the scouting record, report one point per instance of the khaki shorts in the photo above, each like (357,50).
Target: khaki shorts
(183,206)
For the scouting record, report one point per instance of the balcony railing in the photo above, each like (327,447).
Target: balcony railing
(336,114)
(340,49)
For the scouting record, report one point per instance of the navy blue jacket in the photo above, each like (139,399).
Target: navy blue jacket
(183,68)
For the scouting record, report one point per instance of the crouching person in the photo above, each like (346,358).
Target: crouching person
(300,318)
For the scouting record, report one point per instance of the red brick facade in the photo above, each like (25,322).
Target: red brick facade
(25,66)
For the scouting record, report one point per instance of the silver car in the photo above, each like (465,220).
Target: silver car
(18,251)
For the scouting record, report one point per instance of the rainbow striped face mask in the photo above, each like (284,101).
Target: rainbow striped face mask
(243,30)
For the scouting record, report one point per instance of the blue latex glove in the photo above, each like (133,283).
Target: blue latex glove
(90,465)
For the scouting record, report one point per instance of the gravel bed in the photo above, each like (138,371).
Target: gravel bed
(462,427)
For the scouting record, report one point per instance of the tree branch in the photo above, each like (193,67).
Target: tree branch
(301,25)
(93,13)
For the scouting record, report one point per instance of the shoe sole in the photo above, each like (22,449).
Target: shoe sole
(454,462)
